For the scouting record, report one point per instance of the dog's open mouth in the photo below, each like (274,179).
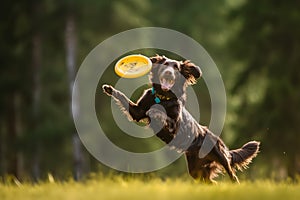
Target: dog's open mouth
(167,83)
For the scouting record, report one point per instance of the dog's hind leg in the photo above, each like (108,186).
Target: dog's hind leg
(230,172)
(199,169)
(225,162)
(221,155)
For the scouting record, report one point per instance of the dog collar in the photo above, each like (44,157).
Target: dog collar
(159,97)
(156,99)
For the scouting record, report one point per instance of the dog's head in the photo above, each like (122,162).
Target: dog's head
(173,75)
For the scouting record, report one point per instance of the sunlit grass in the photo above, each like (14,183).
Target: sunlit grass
(117,187)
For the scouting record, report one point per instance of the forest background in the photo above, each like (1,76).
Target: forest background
(255,45)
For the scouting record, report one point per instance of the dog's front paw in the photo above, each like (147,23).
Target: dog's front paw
(157,114)
(171,124)
(108,89)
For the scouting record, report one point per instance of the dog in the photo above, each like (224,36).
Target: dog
(163,107)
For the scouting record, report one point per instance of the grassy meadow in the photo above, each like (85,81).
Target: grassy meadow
(152,188)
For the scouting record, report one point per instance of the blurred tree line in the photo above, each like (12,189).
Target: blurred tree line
(43,42)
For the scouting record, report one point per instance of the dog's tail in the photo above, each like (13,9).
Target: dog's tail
(240,158)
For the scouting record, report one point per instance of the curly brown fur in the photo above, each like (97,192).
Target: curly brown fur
(163,106)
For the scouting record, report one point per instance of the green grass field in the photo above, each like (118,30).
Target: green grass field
(143,189)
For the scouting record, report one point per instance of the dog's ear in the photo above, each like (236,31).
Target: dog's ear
(158,59)
(190,71)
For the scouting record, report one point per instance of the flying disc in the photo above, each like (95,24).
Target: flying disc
(133,66)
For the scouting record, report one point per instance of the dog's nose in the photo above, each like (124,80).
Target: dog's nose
(168,73)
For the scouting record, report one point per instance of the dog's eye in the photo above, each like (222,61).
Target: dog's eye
(167,63)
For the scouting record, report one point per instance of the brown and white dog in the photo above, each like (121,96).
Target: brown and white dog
(163,106)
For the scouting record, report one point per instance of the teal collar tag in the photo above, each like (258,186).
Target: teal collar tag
(157,100)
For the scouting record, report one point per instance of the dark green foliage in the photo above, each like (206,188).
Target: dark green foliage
(268,44)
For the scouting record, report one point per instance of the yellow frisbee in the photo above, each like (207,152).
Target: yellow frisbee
(133,66)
